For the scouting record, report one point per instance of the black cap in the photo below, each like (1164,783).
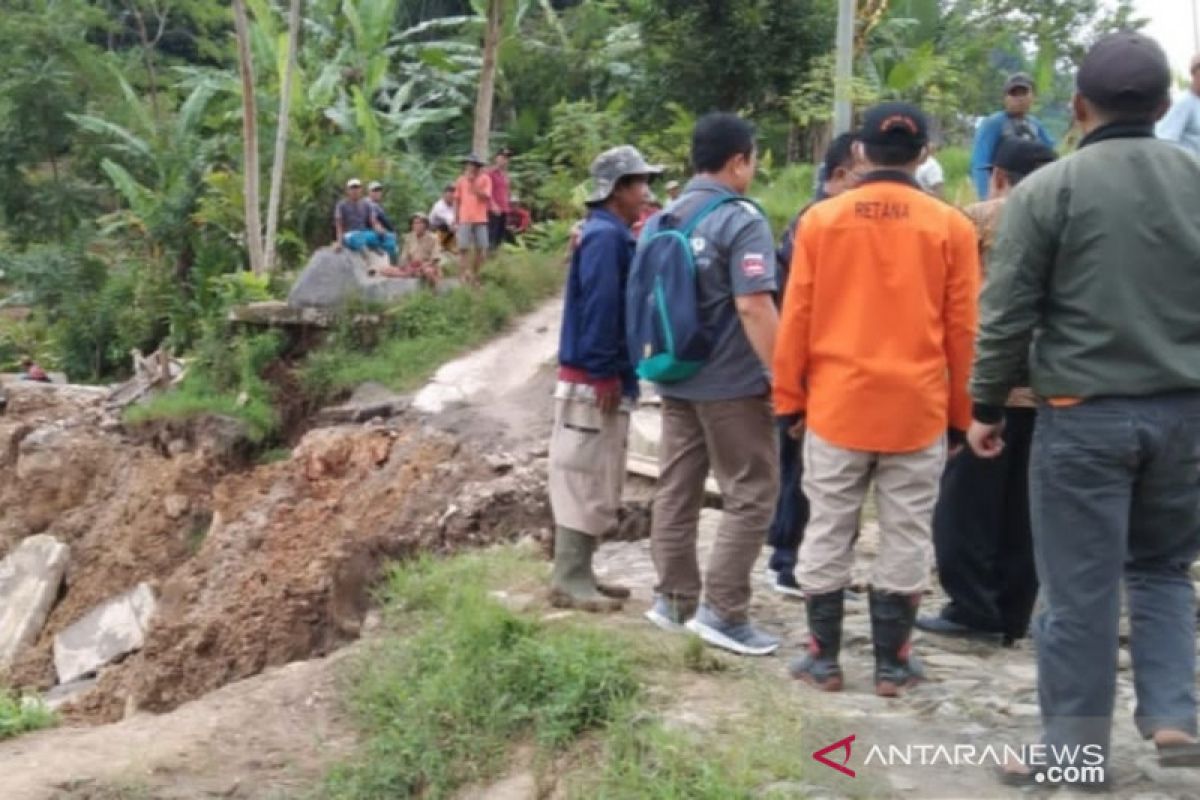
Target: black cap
(1019,79)
(894,123)
(1021,156)
(1125,71)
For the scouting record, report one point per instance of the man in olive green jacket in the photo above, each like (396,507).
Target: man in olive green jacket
(1095,283)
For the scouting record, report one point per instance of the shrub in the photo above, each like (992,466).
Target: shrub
(20,714)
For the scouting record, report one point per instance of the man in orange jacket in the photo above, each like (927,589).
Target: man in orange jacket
(871,368)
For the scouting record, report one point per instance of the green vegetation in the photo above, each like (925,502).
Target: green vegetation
(123,198)
(442,707)
(225,379)
(20,714)
(459,683)
(226,376)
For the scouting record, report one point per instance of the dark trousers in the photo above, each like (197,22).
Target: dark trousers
(1115,494)
(497,230)
(791,507)
(982,536)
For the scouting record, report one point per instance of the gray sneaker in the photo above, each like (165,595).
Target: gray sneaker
(669,615)
(741,637)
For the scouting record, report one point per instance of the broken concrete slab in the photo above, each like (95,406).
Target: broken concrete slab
(29,580)
(369,401)
(107,632)
(334,278)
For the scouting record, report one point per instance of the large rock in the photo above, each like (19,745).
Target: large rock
(104,634)
(29,581)
(332,279)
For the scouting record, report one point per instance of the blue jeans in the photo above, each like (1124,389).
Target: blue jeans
(791,507)
(1115,494)
(361,240)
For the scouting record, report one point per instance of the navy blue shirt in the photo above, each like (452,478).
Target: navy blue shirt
(593,327)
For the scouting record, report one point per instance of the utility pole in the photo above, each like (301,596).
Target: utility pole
(1195,31)
(844,66)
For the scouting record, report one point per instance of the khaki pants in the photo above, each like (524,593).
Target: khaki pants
(906,489)
(737,437)
(587,462)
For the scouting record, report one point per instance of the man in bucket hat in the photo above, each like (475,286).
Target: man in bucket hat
(596,386)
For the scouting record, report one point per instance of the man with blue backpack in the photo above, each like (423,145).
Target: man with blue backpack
(701,323)
(596,386)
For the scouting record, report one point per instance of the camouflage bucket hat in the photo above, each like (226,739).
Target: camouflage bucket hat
(612,165)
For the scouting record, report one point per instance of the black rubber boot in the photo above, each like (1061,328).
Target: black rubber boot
(819,666)
(892,618)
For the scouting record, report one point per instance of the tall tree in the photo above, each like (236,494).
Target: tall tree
(487,77)
(281,135)
(251,178)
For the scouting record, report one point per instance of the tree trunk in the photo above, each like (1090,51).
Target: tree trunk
(281,135)
(254,242)
(487,78)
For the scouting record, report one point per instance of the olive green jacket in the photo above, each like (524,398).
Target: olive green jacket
(1094,277)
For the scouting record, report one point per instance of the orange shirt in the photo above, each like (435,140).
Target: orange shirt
(879,319)
(472,209)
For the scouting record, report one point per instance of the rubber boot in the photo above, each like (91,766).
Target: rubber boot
(892,619)
(607,589)
(573,584)
(819,666)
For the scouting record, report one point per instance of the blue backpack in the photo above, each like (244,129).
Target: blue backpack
(668,341)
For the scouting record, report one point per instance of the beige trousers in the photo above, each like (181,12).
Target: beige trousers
(737,438)
(587,462)
(836,481)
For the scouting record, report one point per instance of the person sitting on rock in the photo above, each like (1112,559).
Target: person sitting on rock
(31,371)
(358,226)
(375,197)
(442,218)
(421,255)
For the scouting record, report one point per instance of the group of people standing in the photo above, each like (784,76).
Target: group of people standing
(473,215)
(1053,420)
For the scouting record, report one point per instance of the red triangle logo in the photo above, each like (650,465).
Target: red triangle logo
(842,744)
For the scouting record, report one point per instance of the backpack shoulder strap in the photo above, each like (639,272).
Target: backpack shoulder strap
(712,206)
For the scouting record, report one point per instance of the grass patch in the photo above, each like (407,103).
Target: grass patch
(460,683)
(22,714)
(442,708)
(224,379)
(191,400)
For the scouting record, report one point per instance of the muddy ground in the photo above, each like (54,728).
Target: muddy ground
(261,565)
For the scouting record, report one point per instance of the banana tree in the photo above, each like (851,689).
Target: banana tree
(157,167)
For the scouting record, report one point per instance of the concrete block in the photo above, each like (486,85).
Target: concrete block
(30,577)
(107,632)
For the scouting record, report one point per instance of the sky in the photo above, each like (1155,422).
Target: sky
(1171,24)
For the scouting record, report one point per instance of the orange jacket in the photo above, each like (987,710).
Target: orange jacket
(879,318)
